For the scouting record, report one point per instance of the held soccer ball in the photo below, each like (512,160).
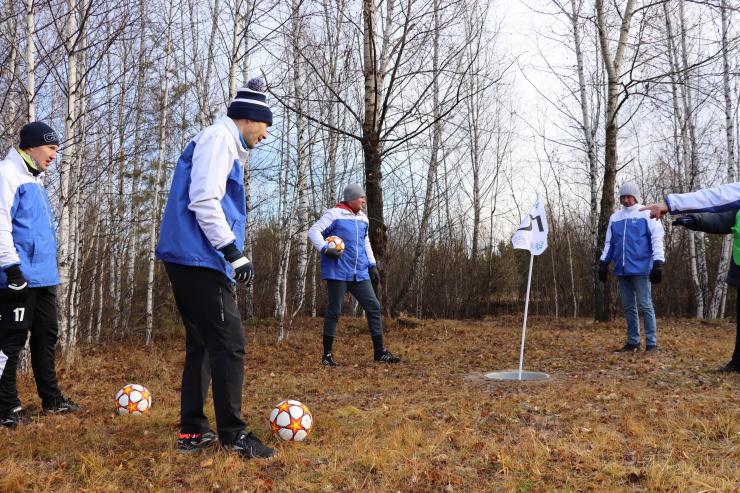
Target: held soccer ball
(133,399)
(335,242)
(291,421)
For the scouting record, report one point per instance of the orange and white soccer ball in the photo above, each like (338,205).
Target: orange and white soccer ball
(133,399)
(291,420)
(335,242)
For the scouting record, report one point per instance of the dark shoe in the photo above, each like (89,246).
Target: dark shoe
(15,417)
(61,406)
(629,348)
(731,367)
(328,360)
(387,357)
(250,447)
(651,348)
(192,442)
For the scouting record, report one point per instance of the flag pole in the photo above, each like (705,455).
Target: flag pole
(526,310)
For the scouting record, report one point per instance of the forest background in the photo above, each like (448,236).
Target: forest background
(452,113)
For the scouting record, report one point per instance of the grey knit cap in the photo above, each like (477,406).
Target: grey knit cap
(629,188)
(353,191)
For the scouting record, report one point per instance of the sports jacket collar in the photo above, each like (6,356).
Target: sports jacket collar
(342,205)
(229,123)
(17,160)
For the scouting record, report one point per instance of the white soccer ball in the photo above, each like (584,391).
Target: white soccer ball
(291,420)
(335,242)
(133,399)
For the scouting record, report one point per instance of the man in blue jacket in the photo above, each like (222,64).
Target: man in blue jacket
(351,269)
(201,244)
(635,245)
(28,274)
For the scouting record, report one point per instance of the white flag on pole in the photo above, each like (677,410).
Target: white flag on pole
(532,233)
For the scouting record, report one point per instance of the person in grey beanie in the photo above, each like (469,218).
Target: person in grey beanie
(635,244)
(352,269)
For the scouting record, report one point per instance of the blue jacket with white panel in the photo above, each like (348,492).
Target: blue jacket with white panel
(27,233)
(206,208)
(633,242)
(352,228)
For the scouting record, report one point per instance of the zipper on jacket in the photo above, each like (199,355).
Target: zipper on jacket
(357,246)
(46,208)
(624,245)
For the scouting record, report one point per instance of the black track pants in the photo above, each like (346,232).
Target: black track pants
(214,349)
(39,312)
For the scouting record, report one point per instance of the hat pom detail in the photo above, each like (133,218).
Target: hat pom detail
(257,84)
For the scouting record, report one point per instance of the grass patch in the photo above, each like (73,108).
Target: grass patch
(604,422)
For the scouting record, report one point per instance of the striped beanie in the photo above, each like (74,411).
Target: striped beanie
(251,103)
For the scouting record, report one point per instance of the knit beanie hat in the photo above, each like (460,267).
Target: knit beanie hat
(36,134)
(629,188)
(353,191)
(251,103)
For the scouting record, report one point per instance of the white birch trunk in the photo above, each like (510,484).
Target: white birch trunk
(301,192)
(65,169)
(284,237)
(161,156)
(30,61)
(75,226)
(8,118)
(719,293)
(133,211)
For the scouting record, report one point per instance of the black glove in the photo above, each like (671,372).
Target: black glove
(332,253)
(243,270)
(656,274)
(17,284)
(374,274)
(685,221)
(603,271)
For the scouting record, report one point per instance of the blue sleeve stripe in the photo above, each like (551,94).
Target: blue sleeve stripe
(718,208)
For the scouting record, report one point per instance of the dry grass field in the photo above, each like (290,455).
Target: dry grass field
(605,422)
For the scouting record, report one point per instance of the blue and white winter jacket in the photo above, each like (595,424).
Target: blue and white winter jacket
(206,208)
(719,199)
(633,242)
(27,234)
(352,228)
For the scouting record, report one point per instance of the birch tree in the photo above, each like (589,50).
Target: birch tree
(613,66)
(161,157)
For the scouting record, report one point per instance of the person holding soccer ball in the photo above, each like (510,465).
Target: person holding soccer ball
(28,274)
(350,269)
(201,244)
(717,211)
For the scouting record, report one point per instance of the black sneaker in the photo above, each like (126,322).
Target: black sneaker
(328,360)
(17,416)
(387,357)
(730,367)
(651,348)
(629,348)
(192,442)
(61,406)
(250,447)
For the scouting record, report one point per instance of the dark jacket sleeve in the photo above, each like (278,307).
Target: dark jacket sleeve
(719,223)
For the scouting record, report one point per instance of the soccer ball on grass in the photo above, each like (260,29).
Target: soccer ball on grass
(133,399)
(291,420)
